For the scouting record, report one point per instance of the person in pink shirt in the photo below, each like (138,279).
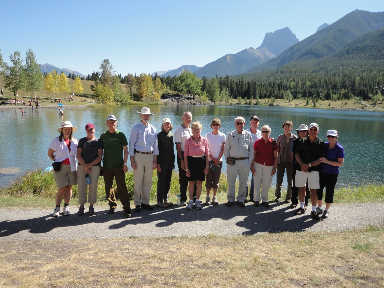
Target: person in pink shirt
(196,161)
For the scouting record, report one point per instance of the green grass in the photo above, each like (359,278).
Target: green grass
(39,189)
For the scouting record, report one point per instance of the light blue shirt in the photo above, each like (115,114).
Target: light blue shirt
(143,138)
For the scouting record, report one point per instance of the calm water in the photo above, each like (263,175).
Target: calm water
(24,140)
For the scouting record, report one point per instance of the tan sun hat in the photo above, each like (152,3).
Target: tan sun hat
(66,124)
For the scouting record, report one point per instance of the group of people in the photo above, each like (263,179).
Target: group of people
(310,164)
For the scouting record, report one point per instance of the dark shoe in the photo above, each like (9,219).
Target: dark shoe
(277,199)
(147,207)
(246,200)
(230,204)
(241,204)
(81,211)
(292,205)
(325,214)
(252,200)
(315,216)
(91,210)
(138,208)
(287,200)
(300,211)
(111,210)
(256,204)
(128,213)
(265,204)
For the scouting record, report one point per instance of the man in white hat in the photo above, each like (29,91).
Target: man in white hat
(143,151)
(115,166)
(308,153)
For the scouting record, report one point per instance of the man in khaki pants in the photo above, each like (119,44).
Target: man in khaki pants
(143,151)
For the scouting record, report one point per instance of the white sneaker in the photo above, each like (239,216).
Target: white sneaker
(190,205)
(214,201)
(66,211)
(207,200)
(198,205)
(56,212)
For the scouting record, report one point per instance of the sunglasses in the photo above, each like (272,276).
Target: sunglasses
(264,131)
(313,129)
(331,136)
(215,124)
(239,123)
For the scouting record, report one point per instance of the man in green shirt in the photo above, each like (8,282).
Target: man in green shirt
(115,166)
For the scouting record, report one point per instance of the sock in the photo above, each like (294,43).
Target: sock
(313,208)
(57,206)
(302,205)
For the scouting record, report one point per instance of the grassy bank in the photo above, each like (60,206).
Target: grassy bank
(341,259)
(38,189)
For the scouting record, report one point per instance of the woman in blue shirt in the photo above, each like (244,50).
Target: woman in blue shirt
(334,158)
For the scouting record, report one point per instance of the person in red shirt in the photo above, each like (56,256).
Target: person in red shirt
(264,165)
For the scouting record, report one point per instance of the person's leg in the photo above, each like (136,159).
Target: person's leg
(183,182)
(138,176)
(81,185)
(95,173)
(108,176)
(295,190)
(191,185)
(321,190)
(199,187)
(330,191)
(266,182)
(208,182)
(257,181)
(279,179)
(147,177)
(122,190)
(161,182)
(231,181)
(168,177)
(289,167)
(243,179)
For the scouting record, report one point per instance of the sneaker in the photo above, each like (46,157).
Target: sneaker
(198,205)
(256,204)
(147,207)
(81,211)
(315,216)
(240,204)
(138,208)
(190,205)
(319,210)
(91,210)
(287,201)
(299,211)
(265,204)
(214,201)
(56,212)
(111,210)
(169,204)
(325,214)
(277,199)
(66,211)
(128,213)
(252,200)
(182,203)
(207,200)
(292,206)
(246,200)
(162,205)
(229,204)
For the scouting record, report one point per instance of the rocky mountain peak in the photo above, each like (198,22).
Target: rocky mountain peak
(278,41)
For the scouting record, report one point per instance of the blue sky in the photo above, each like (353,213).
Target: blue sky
(148,36)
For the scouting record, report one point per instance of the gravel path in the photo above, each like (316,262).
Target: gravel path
(35,224)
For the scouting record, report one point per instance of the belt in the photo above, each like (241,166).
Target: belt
(198,156)
(242,158)
(143,152)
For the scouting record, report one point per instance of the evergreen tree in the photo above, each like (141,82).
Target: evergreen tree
(213,90)
(15,78)
(107,73)
(33,78)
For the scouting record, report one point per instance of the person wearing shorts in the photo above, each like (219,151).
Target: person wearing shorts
(63,150)
(308,153)
(196,161)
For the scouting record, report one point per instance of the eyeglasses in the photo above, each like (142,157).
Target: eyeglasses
(90,130)
(313,129)
(216,124)
(331,136)
(239,123)
(264,131)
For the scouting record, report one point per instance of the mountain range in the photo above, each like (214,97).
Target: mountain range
(48,68)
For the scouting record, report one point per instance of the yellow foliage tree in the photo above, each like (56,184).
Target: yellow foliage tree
(104,93)
(50,83)
(63,83)
(78,86)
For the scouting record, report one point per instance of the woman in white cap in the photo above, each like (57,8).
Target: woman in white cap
(329,170)
(62,151)
(165,163)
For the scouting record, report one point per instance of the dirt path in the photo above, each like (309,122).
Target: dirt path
(34,224)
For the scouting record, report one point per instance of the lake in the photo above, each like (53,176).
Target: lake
(24,140)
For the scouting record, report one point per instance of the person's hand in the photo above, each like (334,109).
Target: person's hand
(253,171)
(188,173)
(133,165)
(88,171)
(158,168)
(206,170)
(304,167)
(182,164)
(125,168)
(154,166)
(273,172)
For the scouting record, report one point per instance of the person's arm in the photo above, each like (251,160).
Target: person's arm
(276,156)
(132,141)
(51,153)
(94,162)
(206,170)
(339,162)
(180,155)
(187,172)
(125,167)
(154,165)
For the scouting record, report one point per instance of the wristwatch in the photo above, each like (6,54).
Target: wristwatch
(309,165)
(125,164)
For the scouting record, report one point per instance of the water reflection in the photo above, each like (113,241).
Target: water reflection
(24,140)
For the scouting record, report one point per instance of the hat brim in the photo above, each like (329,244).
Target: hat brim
(145,113)
(61,129)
